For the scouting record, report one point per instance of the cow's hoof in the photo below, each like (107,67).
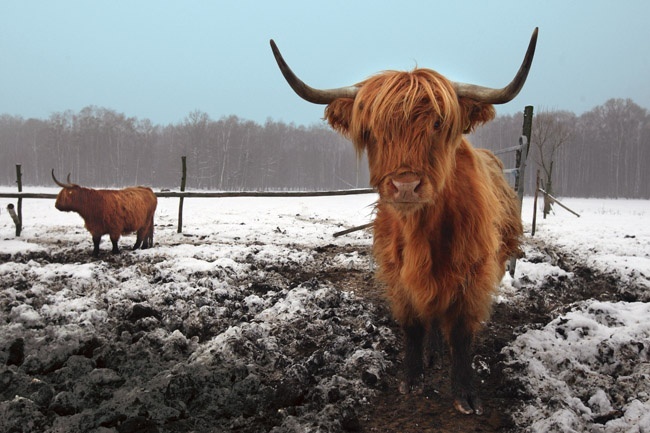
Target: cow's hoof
(468,405)
(406,387)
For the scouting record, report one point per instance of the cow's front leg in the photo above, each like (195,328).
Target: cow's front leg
(466,399)
(114,240)
(413,365)
(435,346)
(96,240)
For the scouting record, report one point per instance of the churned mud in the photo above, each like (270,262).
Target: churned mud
(141,342)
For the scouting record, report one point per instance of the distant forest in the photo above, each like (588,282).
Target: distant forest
(602,153)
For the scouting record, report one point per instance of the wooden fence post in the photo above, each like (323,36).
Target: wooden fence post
(528,122)
(19,221)
(532,233)
(520,163)
(180,202)
(525,131)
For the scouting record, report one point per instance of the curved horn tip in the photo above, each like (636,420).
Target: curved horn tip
(508,93)
(306,92)
(56,180)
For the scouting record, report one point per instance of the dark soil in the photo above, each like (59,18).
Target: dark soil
(391,412)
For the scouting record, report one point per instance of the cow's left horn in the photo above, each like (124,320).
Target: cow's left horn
(62,185)
(508,93)
(316,96)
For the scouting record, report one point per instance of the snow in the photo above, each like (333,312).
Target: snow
(586,370)
(596,357)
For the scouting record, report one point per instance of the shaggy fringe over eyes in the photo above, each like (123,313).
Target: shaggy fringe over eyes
(396,104)
(401,106)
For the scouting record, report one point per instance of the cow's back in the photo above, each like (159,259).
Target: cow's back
(134,207)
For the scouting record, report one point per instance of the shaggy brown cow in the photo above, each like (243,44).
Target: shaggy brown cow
(112,212)
(446,218)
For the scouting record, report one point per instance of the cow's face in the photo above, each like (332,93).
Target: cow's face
(410,124)
(66,199)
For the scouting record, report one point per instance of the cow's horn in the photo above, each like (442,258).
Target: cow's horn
(316,96)
(62,185)
(501,96)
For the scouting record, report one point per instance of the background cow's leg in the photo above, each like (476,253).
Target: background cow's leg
(138,240)
(96,240)
(148,236)
(435,346)
(114,239)
(466,398)
(413,357)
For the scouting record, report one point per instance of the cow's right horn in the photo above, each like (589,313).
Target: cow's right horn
(508,93)
(316,96)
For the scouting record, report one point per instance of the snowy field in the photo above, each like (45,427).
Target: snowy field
(223,290)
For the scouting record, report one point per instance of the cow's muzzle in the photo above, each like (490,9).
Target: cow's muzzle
(406,188)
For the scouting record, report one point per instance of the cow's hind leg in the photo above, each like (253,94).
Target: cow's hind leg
(466,399)
(138,240)
(148,235)
(413,359)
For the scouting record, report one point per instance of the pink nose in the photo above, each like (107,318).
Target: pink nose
(406,186)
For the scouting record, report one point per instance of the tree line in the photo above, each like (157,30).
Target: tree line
(101,147)
(602,153)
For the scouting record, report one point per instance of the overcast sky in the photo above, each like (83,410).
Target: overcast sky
(162,60)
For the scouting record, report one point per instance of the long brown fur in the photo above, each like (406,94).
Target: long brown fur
(112,212)
(443,256)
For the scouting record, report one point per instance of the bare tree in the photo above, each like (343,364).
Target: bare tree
(551,130)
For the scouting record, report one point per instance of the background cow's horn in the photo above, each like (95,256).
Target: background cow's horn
(508,93)
(316,96)
(62,185)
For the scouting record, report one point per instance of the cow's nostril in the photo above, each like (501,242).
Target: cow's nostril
(406,187)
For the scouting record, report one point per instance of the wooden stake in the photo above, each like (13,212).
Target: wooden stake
(353,229)
(12,213)
(554,200)
(180,202)
(532,233)
(19,218)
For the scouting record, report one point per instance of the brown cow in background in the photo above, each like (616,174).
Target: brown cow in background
(112,212)
(446,218)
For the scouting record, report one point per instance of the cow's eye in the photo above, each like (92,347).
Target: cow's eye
(437,124)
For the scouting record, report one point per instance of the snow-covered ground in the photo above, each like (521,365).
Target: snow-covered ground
(587,370)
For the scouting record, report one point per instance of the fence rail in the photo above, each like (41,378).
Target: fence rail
(192,194)
(214,194)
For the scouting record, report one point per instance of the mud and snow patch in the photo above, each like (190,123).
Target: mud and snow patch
(587,370)
(197,342)
(244,323)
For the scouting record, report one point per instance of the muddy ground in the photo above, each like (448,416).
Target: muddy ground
(215,364)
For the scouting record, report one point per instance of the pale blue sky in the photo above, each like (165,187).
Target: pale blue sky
(161,59)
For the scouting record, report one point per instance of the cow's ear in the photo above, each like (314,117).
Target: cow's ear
(339,114)
(475,113)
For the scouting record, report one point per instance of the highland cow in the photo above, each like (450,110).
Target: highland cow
(112,212)
(446,219)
